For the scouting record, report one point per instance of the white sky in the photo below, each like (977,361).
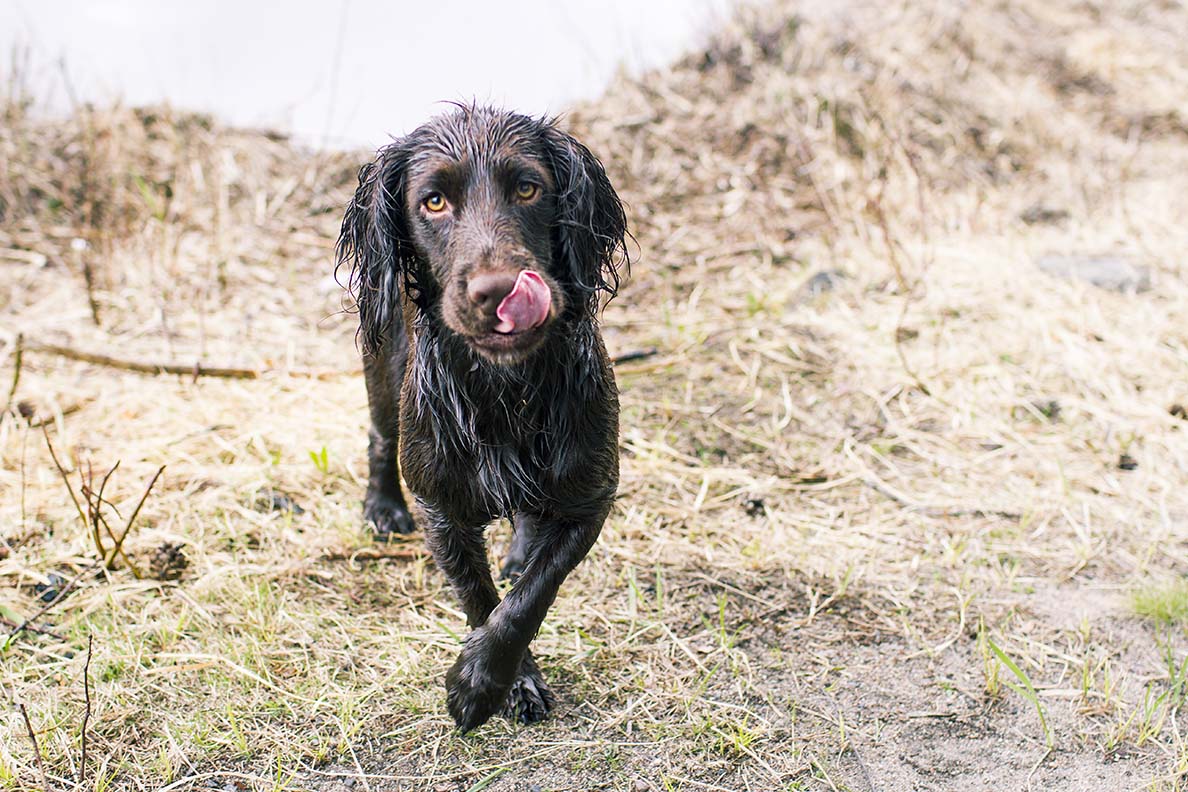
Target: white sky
(348,72)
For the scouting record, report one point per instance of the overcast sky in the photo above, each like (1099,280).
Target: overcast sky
(349,72)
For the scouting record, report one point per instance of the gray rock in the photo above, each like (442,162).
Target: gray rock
(1106,272)
(1038,214)
(819,283)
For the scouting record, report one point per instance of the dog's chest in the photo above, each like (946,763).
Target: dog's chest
(483,450)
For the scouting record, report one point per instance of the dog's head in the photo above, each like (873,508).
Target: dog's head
(500,226)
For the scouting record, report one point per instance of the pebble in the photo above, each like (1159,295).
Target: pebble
(819,283)
(1105,272)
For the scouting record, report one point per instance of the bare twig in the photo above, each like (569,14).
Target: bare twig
(45,784)
(636,354)
(18,351)
(938,512)
(103,485)
(119,543)
(370,554)
(117,549)
(88,274)
(38,423)
(66,480)
(193,369)
(82,765)
(95,503)
(33,628)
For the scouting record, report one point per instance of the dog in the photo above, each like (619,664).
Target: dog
(481,247)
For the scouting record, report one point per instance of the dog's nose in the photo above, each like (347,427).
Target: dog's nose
(487,291)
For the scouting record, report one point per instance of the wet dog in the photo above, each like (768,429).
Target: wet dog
(481,246)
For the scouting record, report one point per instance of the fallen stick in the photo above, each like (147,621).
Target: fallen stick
(195,370)
(373,554)
(638,354)
(32,628)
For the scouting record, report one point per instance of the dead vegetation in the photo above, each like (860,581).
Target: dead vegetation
(900,510)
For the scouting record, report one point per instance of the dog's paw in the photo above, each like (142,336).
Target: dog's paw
(475,690)
(387,516)
(529,700)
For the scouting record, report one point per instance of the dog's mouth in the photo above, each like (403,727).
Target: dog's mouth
(519,321)
(502,345)
(526,306)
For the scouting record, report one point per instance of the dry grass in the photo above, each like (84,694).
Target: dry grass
(836,502)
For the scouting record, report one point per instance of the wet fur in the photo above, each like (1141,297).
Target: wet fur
(531,437)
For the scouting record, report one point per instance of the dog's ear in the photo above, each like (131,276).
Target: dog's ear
(591,224)
(375,243)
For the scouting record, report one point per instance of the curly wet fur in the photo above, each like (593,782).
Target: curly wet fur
(530,436)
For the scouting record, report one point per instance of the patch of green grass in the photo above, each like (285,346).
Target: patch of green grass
(1166,603)
(1024,689)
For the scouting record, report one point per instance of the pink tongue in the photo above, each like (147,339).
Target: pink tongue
(525,306)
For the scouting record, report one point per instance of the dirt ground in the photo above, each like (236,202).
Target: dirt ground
(903,503)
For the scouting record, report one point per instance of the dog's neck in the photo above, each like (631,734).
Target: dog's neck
(514,428)
(466,396)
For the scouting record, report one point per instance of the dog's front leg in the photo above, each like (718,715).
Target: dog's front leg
(495,670)
(478,689)
(384,506)
(460,552)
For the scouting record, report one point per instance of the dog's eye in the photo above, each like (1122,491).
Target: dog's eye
(435,202)
(526,190)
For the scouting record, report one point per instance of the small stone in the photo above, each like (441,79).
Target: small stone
(48,592)
(642,786)
(1038,214)
(1105,272)
(271,500)
(755,507)
(819,283)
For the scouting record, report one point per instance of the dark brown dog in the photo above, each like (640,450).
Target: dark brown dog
(480,246)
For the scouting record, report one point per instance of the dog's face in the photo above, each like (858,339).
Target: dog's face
(497,225)
(480,209)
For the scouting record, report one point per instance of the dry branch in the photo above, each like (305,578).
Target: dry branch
(119,543)
(635,354)
(45,784)
(369,554)
(195,370)
(33,628)
(74,499)
(18,351)
(82,764)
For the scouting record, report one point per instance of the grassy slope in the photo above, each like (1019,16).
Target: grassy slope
(835,505)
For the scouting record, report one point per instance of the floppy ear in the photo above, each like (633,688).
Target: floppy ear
(591,224)
(375,243)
